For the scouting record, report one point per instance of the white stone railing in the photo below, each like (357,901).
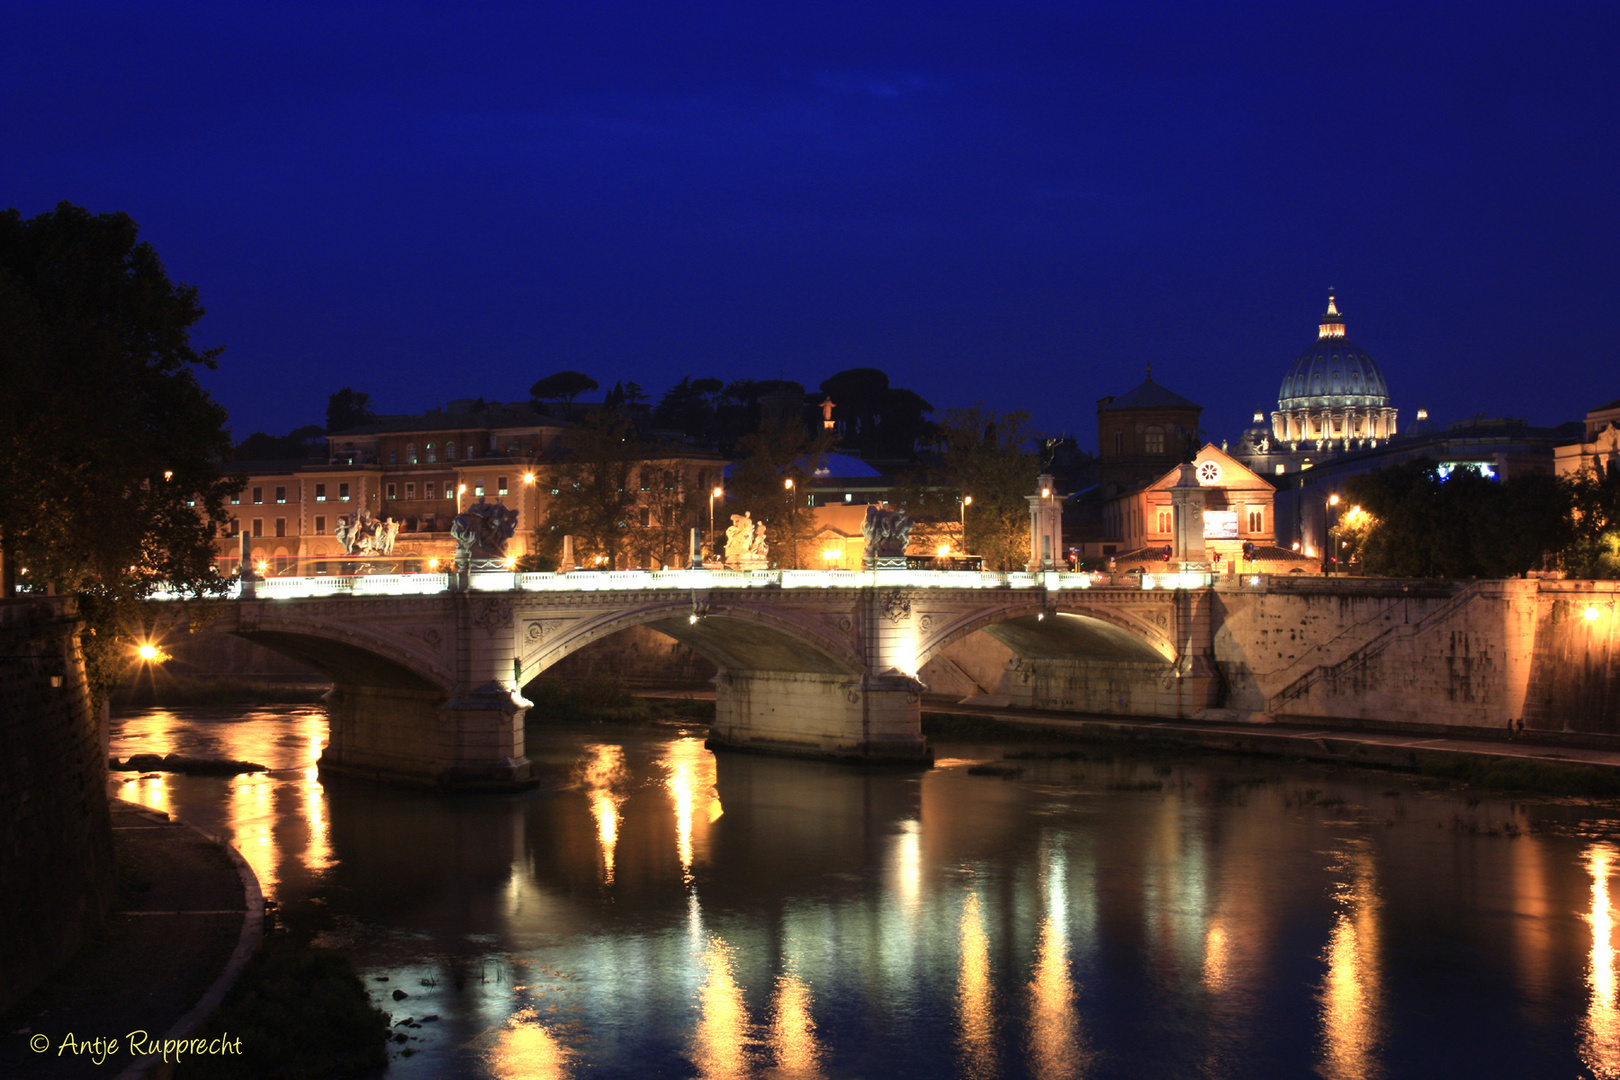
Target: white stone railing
(285,588)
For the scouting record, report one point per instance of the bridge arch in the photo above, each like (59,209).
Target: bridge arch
(733,638)
(1071,631)
(349,652)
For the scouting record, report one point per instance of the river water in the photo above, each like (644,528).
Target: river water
(655,910)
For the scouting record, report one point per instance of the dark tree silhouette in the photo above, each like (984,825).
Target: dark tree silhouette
(563,387)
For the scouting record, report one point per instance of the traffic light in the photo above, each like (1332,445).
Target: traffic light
(1248,551)
(1168,551)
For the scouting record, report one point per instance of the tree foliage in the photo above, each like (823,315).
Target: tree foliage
(758,486)
(348,409)
(1430,524)
(878,419)
(991,457)
(110,449)
(596,496)
(563,386)
(1594,547)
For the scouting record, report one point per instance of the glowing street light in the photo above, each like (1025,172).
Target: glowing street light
(1590,614)
(714,493)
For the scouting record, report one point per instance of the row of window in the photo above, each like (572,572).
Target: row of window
(430,489)
(281,495)
(1257,521)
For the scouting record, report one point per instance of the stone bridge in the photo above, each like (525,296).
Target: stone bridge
(428,681)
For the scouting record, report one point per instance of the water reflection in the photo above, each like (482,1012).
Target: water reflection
(526,1050)
(975,995)
(690,782)
(1054,1032)
(605,781)
(1352,992)
(793,1039)
(847,922)
(720,1042)
(1600,1042)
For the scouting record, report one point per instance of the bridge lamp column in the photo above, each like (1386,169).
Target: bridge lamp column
(966,501)
(714,493)
(793,535)
(1330,550)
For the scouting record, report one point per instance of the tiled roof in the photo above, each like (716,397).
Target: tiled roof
(1150,395)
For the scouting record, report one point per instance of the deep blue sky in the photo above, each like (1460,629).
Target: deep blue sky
(1015,202)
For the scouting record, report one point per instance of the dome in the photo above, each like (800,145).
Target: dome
(1333,373)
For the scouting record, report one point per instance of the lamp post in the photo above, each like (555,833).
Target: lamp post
(1330,554)
(714,493)
(793,536)
(967,501)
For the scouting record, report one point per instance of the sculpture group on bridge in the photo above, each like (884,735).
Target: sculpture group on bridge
(887,532)
(481,532)
(745,544)
(365,535)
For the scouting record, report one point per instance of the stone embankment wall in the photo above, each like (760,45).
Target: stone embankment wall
(56,857)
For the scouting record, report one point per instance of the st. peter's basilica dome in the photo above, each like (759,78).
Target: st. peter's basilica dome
(1333,393)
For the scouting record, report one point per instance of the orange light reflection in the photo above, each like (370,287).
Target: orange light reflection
(1600,1037)
(1352,991)
(692,774)
(975,1005)
(718,1043)
(793,1031)
(525,1050)
(603,777)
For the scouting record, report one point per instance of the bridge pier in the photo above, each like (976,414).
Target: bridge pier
(870,719)
(473,741)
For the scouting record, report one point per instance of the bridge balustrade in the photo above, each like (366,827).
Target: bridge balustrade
(425,584)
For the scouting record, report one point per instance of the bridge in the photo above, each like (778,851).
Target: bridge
(429,678)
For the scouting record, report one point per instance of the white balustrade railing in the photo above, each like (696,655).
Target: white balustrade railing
(283,588)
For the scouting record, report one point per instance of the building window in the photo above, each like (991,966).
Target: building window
(281,494)
(320,524)
(432,453)
(1257,521)
(1119,444)
(236,500)
(410,491)
(1164,521)
(500,485)
(320,492)
(258,495)
(645,514)
(393,457)
(281,526)
(428,490)
(410,454)
(1153,440)
(449,451)
(392,493)
(478,487)
(343,493)
(258,526)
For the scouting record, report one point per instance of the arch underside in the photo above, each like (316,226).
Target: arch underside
(343,662)
(1060,636)
(745,641)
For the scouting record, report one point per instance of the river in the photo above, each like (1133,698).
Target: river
(655,910)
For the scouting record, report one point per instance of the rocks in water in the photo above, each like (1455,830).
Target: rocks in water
(400,995)
(191,766)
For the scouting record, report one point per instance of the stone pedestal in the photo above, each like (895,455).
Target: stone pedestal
(474,741)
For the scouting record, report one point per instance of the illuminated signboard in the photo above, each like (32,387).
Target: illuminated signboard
(1220,525)
(1483,468)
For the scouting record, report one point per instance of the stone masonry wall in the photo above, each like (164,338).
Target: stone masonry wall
(56,858)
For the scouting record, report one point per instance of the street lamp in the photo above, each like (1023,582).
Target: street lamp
(714,493)
(793,536)
(1332,548)
(967,501)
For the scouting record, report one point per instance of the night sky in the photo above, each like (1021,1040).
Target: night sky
(1018,203)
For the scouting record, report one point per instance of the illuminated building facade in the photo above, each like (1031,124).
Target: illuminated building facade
(1598,448)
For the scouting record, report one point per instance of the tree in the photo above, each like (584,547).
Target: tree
(301,443)
(758,485)
(878,419)
(689,406)
(990,457)
(596,493)
(1594,547)
(1458,523)
(564,386)
(348,409)
(110,449)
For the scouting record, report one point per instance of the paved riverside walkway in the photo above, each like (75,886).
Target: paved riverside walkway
(1311,741)
(187,917)
(1397,749)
